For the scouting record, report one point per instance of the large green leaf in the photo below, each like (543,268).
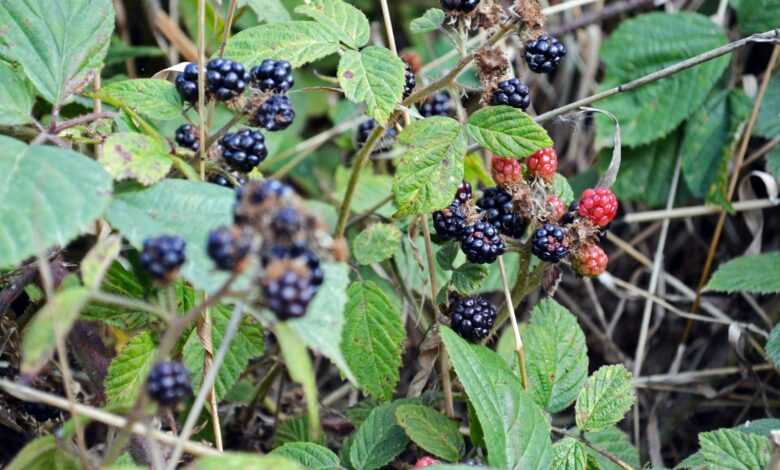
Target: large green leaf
(344,21)
(768,123)
(375,76)
(186,208)
(57,43)
(432,431)
(568,454)
(431,20)
(17,96)
(301,370)
(47,196)
(507,131)
(759,274)
(43,454)
(757,16)
(431,168)
(646,44)
(129,155)
(311,456)
(245,461)
(156,99)
(373,339)
(517,434)
(298,42)
(556,354)
(271,11)
(617,443)
(119,281)
(246,345)
(128,370)
(607,396)
(376,243)
(734,450)
(379,439)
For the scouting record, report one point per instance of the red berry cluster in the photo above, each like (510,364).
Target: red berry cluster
(595,210)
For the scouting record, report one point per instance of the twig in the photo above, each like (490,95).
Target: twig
(697,211)
(692,376)
(515,328)
(205,336)
(202,85)
(83,119)
(370,211)
(67,382)
(228,25)
(223,130)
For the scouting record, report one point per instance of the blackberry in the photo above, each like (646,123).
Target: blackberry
(481,243)
(275,114)
(410,81)
(286,222)
(599,205)
(472,317)
(385,143)
(437,105)
(544,54)
(299,252)
(254,199)
(571,215)
(187,83)
(228,247)
(225,79)
(462,6)
(222,180)
(513,93)
(163,256)
(449,222)
(187,137)
(243,150)
(292,277)
(272,75)
(497,205)
(168,383)
(548,243)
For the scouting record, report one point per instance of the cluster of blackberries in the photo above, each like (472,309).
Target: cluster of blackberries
(496,205)
(162,256)
(243,150)
(512,93)
(472,317)
(410,81)
(438,104)
(272,75)
(275,114)
(168,383)
(225,80)
(459,6)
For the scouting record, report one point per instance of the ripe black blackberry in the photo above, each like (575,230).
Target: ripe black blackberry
(497,206)
(286,222)
(513,93)
(292,277)
(449,222)
(385,143)
(225,79)
(275,114)
(410,81)
(571,215)
(228,247)
(462,6)
(256,198)
(243,150)
(548,243)
(437,104)
(272,75)
(187,137)
(168,383)
(187,83)
(222,180)
(163,256)
(544,54)
(300,253)
(481,243)
(472,317)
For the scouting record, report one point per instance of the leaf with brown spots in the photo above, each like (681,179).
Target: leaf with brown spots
(129,155)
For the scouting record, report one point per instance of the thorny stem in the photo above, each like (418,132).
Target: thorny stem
(202,85)
(609,456)
(515,328)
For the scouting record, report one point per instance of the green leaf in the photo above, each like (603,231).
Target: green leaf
(53,321)
(761,427)
(96,264)
(57,43)
(562,189)
(323,325)
(773,163)
(376,243)
(294,430)
(646,44)
(517,434)
(507,131)
(768,123)
(469,277)
(757,16)
(343,20)
(431,168)
(299,366)
(373,339)
(311,456)
(246,345)
(557,356)
(431,430)
(128,370)
(569,454)
(758,274)
(616,442)
(121,282)
(431,20)
(271,11)
(371,190)
(730,449)
(17,96)
(189,209)
(375,76)
(48,195)
(43,454)
(694,461)
(245,461)
(298,42)
(379,439)
(607,396)
(128,155)
(155,99)
(448,252)
(773,345)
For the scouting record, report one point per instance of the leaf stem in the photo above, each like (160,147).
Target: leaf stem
(579,437)
(519,349)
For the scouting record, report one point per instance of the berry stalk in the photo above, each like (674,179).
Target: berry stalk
(515,328)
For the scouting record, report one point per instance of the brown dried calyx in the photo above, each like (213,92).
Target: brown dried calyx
(581,232)
(492,65)
(531,18)
(489,14)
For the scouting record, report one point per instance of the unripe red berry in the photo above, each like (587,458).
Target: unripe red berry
(543,164)
(505,170)
(425,462)
(590,260)
(557,208)
(598,205)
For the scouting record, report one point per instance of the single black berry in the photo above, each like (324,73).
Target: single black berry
(463,6)
(255,198)
(228,247)
(437,105)
(275,114)
(548,243)
(299,252)
(187,137)
(497,206)
(482,243)
(385,143)
(572,214)
(272,75)
(243,150)
(511,92)
(225,79)
(410,81)
(286,222)
(222,180)
(162,256)
(449,222)
(544,54)
(472,317)
(292,277)
(168,383)
(187,83)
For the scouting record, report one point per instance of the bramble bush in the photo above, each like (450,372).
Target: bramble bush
(281,234)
